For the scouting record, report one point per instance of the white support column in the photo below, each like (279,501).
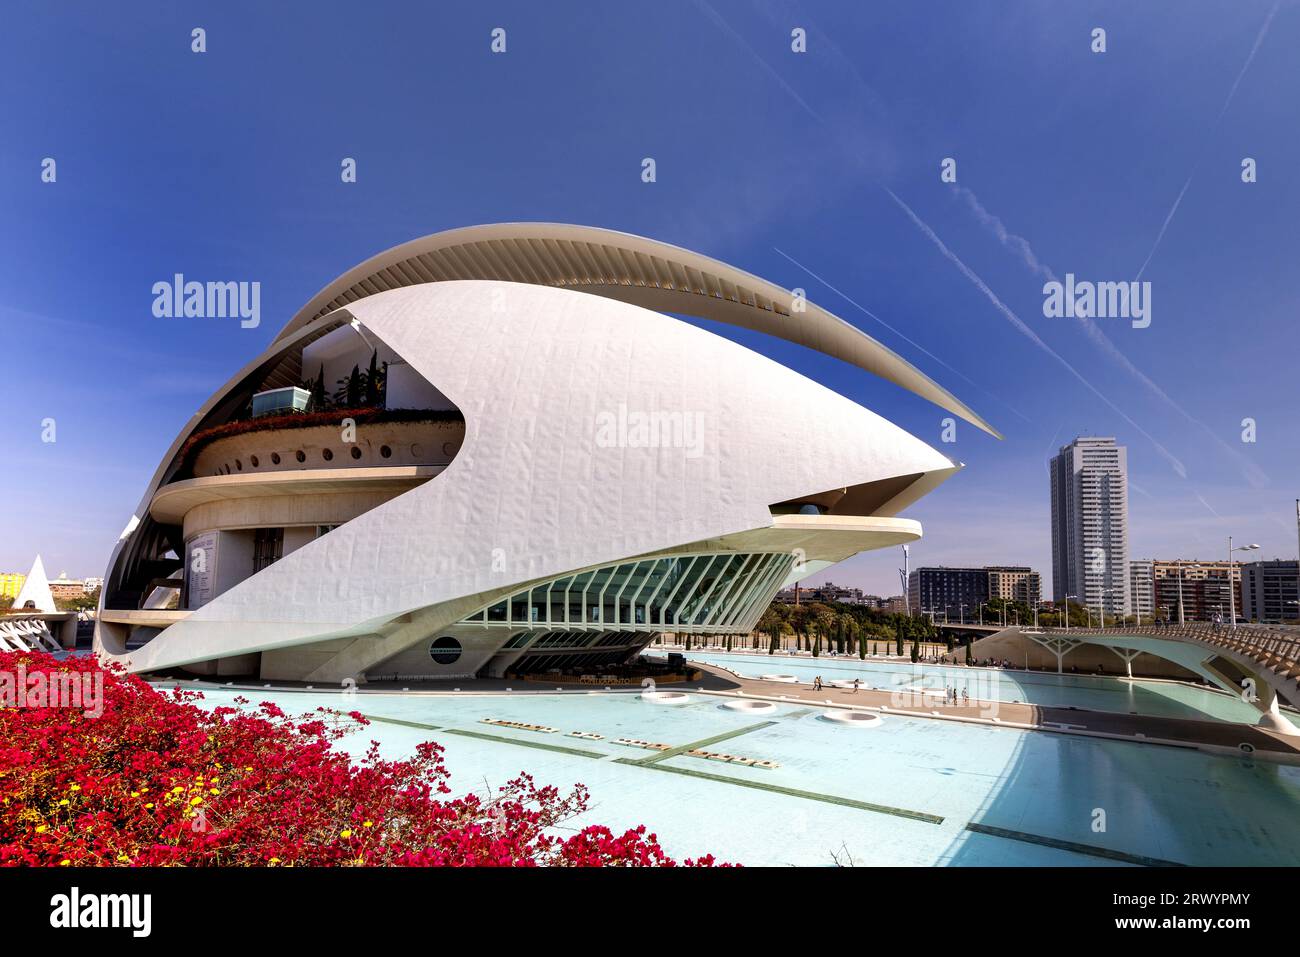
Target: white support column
(1128,657)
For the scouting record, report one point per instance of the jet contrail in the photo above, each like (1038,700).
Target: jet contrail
(867,312)
(767,67)
(1259,39)
(1252,473)
(1168,219)
(1207,505)
(1018,244)
(1029,333)
(1250,57)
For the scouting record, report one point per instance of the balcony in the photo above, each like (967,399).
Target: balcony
(281,401)
(334,439)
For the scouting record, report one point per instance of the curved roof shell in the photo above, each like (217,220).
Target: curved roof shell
(539,488)
(629,268)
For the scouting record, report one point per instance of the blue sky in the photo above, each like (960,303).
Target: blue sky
(817,170)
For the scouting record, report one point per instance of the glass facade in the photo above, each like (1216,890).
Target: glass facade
(720,593)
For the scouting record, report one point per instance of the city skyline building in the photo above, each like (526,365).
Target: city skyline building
(960,592)
(1142,587)
(1189,589)
(1270,591)
(1089,520)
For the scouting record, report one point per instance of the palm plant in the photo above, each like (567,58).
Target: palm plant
(350,389)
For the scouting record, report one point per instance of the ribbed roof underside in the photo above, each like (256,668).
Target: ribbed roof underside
(629,268)
(551,262)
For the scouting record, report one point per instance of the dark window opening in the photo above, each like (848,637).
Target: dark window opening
(268,547)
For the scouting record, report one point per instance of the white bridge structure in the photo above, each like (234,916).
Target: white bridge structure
(38,631)
(1261,665)
(35,623)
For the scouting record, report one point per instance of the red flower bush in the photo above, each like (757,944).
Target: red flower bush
(156,779)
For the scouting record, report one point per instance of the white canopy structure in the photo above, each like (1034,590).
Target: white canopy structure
(567,473)
(36,590)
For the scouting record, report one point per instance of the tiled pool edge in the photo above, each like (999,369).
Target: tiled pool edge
(1073,846)
(1277,757)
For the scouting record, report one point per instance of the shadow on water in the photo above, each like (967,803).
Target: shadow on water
(1061,799)
(1073,800)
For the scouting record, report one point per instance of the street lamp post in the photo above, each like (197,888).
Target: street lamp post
(1182,618)
(1104,593)
(1232,592)
(1067,610)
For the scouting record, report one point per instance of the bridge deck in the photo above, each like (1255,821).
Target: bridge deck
(1180,730)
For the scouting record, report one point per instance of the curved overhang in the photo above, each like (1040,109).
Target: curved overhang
(632,269)
(174,501)
(821,538)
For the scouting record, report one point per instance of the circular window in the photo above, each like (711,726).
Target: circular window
(239,465)
(275,458)
(300,455)
(417,451)
(253,459)
(385,451)
(445,650)
(448,448)
(327,455)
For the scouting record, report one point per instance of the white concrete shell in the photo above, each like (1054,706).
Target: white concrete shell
(538,489)
(36,590)
(615,265)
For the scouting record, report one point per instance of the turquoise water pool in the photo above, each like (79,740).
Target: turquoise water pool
(908,792)
(1166,699)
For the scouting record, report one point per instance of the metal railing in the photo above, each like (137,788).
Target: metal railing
(1277,650)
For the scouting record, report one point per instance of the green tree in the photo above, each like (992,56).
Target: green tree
(822,624)
(375,378)
(319,399)
(350,389)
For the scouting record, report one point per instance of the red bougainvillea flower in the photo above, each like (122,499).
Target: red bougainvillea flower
(158,780)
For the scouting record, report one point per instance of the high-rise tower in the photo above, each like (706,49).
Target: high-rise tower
(1090,524)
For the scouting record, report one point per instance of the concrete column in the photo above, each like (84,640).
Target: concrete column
(1272,717)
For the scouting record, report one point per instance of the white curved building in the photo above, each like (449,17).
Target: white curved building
(544,471)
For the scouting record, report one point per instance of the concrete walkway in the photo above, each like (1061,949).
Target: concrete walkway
(1215,735)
